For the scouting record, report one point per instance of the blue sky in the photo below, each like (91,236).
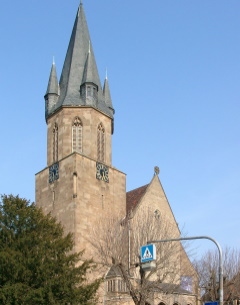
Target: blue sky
(174,74)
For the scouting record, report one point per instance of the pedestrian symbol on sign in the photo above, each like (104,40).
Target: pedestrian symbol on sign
(148,253)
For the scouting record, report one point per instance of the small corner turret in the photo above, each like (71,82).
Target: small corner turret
(107,96)
(52,93)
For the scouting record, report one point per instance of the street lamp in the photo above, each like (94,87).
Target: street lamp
(220,258)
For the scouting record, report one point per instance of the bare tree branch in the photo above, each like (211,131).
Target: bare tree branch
(117,243)
(207,269)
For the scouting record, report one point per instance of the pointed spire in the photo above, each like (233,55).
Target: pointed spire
(78,62)
(53,87)
(107,95)
(89,75)
(52,94)
(79,7)
(80,70)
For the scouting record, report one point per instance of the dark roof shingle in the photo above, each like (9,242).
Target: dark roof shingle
(134,196)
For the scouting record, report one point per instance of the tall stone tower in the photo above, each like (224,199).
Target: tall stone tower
(79,185)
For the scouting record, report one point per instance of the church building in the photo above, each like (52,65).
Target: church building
(80,186)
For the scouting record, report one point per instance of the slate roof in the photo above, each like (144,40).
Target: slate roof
(79,68)
(167,287)
(134,197)
(107,95)
(114,271)
(53,87)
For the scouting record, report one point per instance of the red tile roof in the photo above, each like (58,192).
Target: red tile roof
(134,196)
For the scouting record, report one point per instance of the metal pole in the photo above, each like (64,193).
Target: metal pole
(220,258)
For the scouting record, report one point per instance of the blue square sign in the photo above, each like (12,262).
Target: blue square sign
(148,253)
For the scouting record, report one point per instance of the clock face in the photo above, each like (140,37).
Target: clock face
(53,172)
(102,172)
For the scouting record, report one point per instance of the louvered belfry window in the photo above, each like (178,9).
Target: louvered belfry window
(55,142)
(77,135)
(101,143)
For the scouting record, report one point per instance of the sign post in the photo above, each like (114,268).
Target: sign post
(220,269)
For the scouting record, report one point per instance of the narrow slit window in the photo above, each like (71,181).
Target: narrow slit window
(74,185)
(55,143)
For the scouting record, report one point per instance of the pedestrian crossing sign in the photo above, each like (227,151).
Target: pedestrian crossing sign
(148,253)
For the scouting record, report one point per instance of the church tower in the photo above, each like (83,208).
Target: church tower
(81,188)
(79,185)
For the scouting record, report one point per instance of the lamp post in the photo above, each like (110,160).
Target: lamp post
(220,258)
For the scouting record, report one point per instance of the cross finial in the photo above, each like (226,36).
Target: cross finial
(156,170)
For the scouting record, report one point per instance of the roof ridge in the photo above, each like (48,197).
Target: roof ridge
(138,188)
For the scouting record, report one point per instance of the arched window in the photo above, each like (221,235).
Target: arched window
(157,214)
(77,135)
(55,142)
(101,143)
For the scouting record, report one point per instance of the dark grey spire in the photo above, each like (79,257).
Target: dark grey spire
(80,83)
(89,73)
(75,61)
(107,95)
(53,86)
(52,94)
